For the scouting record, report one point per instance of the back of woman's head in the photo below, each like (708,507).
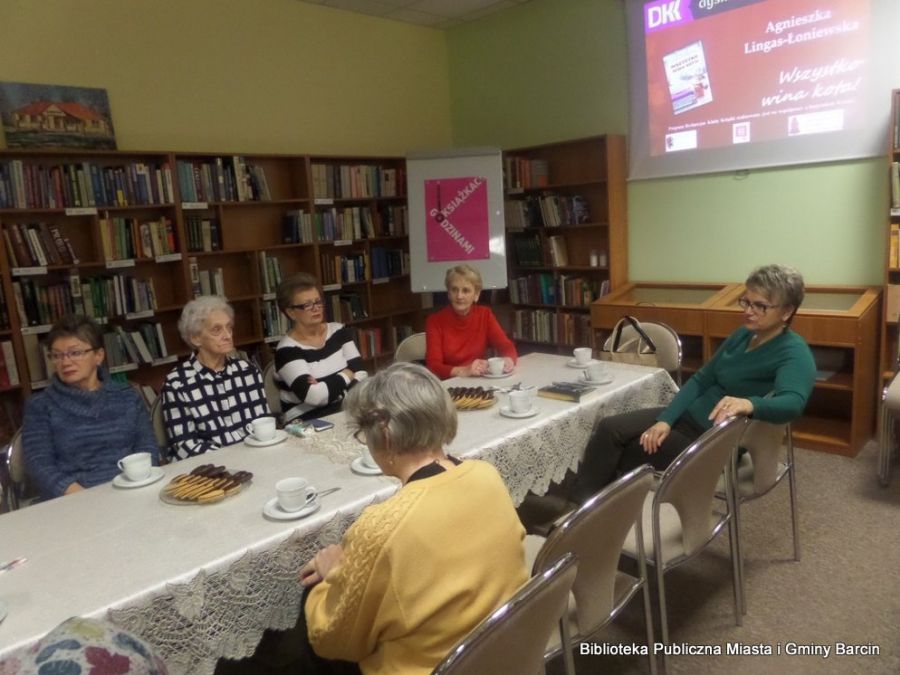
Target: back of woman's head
(407,402)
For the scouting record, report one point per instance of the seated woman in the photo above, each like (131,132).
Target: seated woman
(78,428)
(316,362)
(458,336)
(763,357)
(209,399)
(371,601)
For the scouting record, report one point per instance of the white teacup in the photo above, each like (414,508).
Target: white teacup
(136,466)
(262,428)
(597,372)
(520,400)
(495,365)
(367,459)
(294,493)
(582,355)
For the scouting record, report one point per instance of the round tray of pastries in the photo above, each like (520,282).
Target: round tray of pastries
(472,398)
(206,484)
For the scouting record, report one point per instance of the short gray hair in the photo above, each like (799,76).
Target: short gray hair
(466,273)
(408,401)
(780,284)
(196,312)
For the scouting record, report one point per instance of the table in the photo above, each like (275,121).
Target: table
(203,582)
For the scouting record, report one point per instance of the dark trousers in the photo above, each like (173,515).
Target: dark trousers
(615,448)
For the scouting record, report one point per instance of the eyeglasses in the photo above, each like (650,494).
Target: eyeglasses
(72,355)
(757,307)
(308,306)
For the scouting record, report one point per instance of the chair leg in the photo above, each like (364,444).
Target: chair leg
(792,486)
(648,623)
(737,577)
(663,621)
(565,642)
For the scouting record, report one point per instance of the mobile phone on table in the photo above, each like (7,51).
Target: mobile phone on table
(320,425)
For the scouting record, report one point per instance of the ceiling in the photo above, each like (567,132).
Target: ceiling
(434,13)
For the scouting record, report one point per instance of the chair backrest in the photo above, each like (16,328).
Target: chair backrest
(689,484)
(14,474)
(765,443)
(159,429)
(411,348)
(595,533)
(273,396)
(668,344)
(513,638)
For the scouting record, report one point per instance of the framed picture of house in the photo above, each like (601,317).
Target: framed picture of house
(55,116)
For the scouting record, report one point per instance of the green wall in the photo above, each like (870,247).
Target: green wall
(230,75)
(555,69)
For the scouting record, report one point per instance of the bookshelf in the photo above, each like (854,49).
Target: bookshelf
(889,336)
(129,237)
(567,238)
(840,323)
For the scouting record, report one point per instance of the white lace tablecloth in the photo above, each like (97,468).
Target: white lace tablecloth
(204,582)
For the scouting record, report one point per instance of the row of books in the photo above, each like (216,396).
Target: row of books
(369,342)
(346,307)
(203,234)
(356,181)
(222,179)
(38,244)
(522,173)
(206,281)
(97,297)
(129,238)
(269,272)
(546,289)
(894,247)
(9,370)
(274,322)
(4,312)
(347,269)
(389,262)
(360,222)
(541,325)
(297,228)
(895,185)
(83,184)
(548,209)
(528,251)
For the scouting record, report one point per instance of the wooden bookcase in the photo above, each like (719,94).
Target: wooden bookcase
(235,224)
(567,237)
(840,324)
(889,336)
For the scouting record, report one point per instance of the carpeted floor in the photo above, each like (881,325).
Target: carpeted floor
(845,589)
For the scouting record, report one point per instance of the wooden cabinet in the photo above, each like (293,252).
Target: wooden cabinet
(567,237)
(839,323)
(130,237)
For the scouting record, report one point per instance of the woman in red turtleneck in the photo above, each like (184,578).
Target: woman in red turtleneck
(458,336)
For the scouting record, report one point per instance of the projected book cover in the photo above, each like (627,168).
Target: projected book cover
(687,77)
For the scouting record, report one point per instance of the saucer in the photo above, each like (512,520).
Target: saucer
(491,376)
(279,437)
(357,466)
(3,610)
(156,473)
(606,380)
(572,363)
(272,510)
(506,411)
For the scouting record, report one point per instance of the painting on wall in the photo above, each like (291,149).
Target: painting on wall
(55,116)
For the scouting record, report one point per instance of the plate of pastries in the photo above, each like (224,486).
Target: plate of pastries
(206,484)
(472,398)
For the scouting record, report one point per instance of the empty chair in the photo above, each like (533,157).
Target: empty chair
(411,348)
(512,639)
(595,533)
(890,407)
(273,395)
(668,345)
(768,459)
(679,519)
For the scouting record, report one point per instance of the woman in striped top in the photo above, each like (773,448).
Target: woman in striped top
(317,361)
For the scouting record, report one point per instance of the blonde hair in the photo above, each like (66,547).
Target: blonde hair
(466,273)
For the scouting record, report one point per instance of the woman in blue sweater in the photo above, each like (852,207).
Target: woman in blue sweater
(76,430)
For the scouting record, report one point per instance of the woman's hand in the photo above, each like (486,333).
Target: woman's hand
(73,487)
(729,406)
(508,365)
(318,568)
(478,367)
(654,436)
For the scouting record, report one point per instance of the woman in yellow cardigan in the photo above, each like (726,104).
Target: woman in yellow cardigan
(417,572)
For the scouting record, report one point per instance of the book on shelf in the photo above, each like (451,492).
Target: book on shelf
(297,227)
(559,254)
(893,303)
(567,391)
(895,185)
(9,360)
(894,246)
(269,272)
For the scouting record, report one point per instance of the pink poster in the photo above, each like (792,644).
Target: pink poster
(456,219)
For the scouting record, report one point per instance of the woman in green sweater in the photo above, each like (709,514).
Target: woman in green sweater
(763,369)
